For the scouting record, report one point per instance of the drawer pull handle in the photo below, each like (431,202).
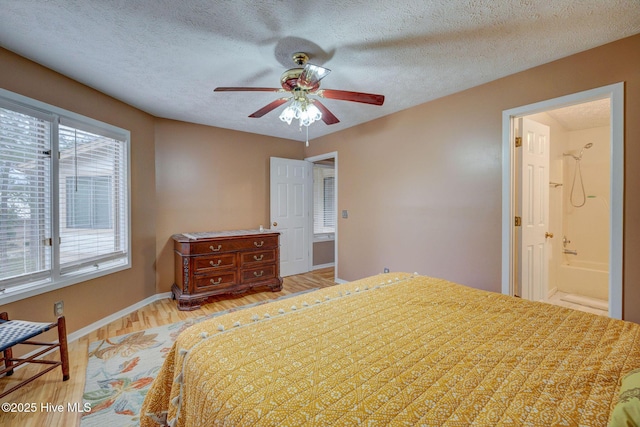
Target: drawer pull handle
(255,273)
(258,258)
(215,249)
(216,264)
(216,282)
(259,245)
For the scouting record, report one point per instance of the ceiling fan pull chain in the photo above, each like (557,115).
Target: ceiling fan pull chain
(307,135)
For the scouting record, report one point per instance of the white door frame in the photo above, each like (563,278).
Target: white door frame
(313,159)
(615,92)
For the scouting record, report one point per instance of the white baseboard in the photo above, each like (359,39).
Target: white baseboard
(341,281)
(115,316)
(100,323)
(320,266)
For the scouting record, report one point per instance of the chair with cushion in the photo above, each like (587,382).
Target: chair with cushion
(13,332)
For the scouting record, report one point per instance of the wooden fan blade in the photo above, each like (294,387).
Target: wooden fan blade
(269,107)
(327,116)
(345,95)
(311,76)
(246,89)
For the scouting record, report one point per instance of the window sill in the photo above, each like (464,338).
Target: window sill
(20,292)
(324,237)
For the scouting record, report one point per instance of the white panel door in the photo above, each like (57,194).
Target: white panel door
(291,190)
(534,209)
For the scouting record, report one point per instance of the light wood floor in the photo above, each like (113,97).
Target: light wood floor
(50,388)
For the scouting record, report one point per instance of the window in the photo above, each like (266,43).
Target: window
(64,202)
(324,200)
(88,201)
(328,202)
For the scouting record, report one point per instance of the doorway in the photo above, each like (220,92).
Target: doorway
(512,256)
(292,212)
(324,239)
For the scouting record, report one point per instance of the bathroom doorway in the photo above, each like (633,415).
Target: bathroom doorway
(578,203)
(324,246)
(579,256)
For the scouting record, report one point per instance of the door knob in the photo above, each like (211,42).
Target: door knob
(275,224)
(547,234)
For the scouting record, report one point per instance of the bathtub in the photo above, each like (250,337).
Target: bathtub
(590,279)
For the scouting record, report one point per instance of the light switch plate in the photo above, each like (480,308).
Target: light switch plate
(345,214)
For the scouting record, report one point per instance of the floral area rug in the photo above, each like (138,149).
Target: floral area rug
(121,369)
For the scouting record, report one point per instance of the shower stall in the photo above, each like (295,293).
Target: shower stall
(579,213)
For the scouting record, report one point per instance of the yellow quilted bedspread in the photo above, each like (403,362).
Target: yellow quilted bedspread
(398,350)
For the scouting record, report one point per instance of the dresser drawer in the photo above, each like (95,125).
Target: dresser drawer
(213,281)
(258,274)
(254,257)
(257,242)
(214,262)
(212,247)
(232,245)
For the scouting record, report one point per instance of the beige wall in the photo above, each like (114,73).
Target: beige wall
(90,301)
(324,253)
(423,186)
(210,179)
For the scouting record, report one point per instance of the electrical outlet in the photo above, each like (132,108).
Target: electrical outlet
(386,269)
(58,308)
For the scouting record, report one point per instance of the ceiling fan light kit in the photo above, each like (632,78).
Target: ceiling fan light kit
(304,111)
(300,82)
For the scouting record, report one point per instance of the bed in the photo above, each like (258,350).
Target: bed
(396,349)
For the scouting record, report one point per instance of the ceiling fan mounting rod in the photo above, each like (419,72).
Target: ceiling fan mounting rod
(299,93)
(300,58)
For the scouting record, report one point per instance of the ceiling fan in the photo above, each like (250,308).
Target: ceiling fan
(300,82)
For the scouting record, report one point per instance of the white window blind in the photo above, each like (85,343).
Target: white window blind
(92,198)
(64,201)
(324,203)
(25,183)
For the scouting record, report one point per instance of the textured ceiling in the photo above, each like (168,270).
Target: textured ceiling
(583,116)
(166,56)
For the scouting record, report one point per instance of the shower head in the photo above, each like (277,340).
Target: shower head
(586,147)
(579,156)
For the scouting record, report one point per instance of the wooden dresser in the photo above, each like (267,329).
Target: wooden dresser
(214,263)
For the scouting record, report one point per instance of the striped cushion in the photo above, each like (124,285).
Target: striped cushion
(14,332)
